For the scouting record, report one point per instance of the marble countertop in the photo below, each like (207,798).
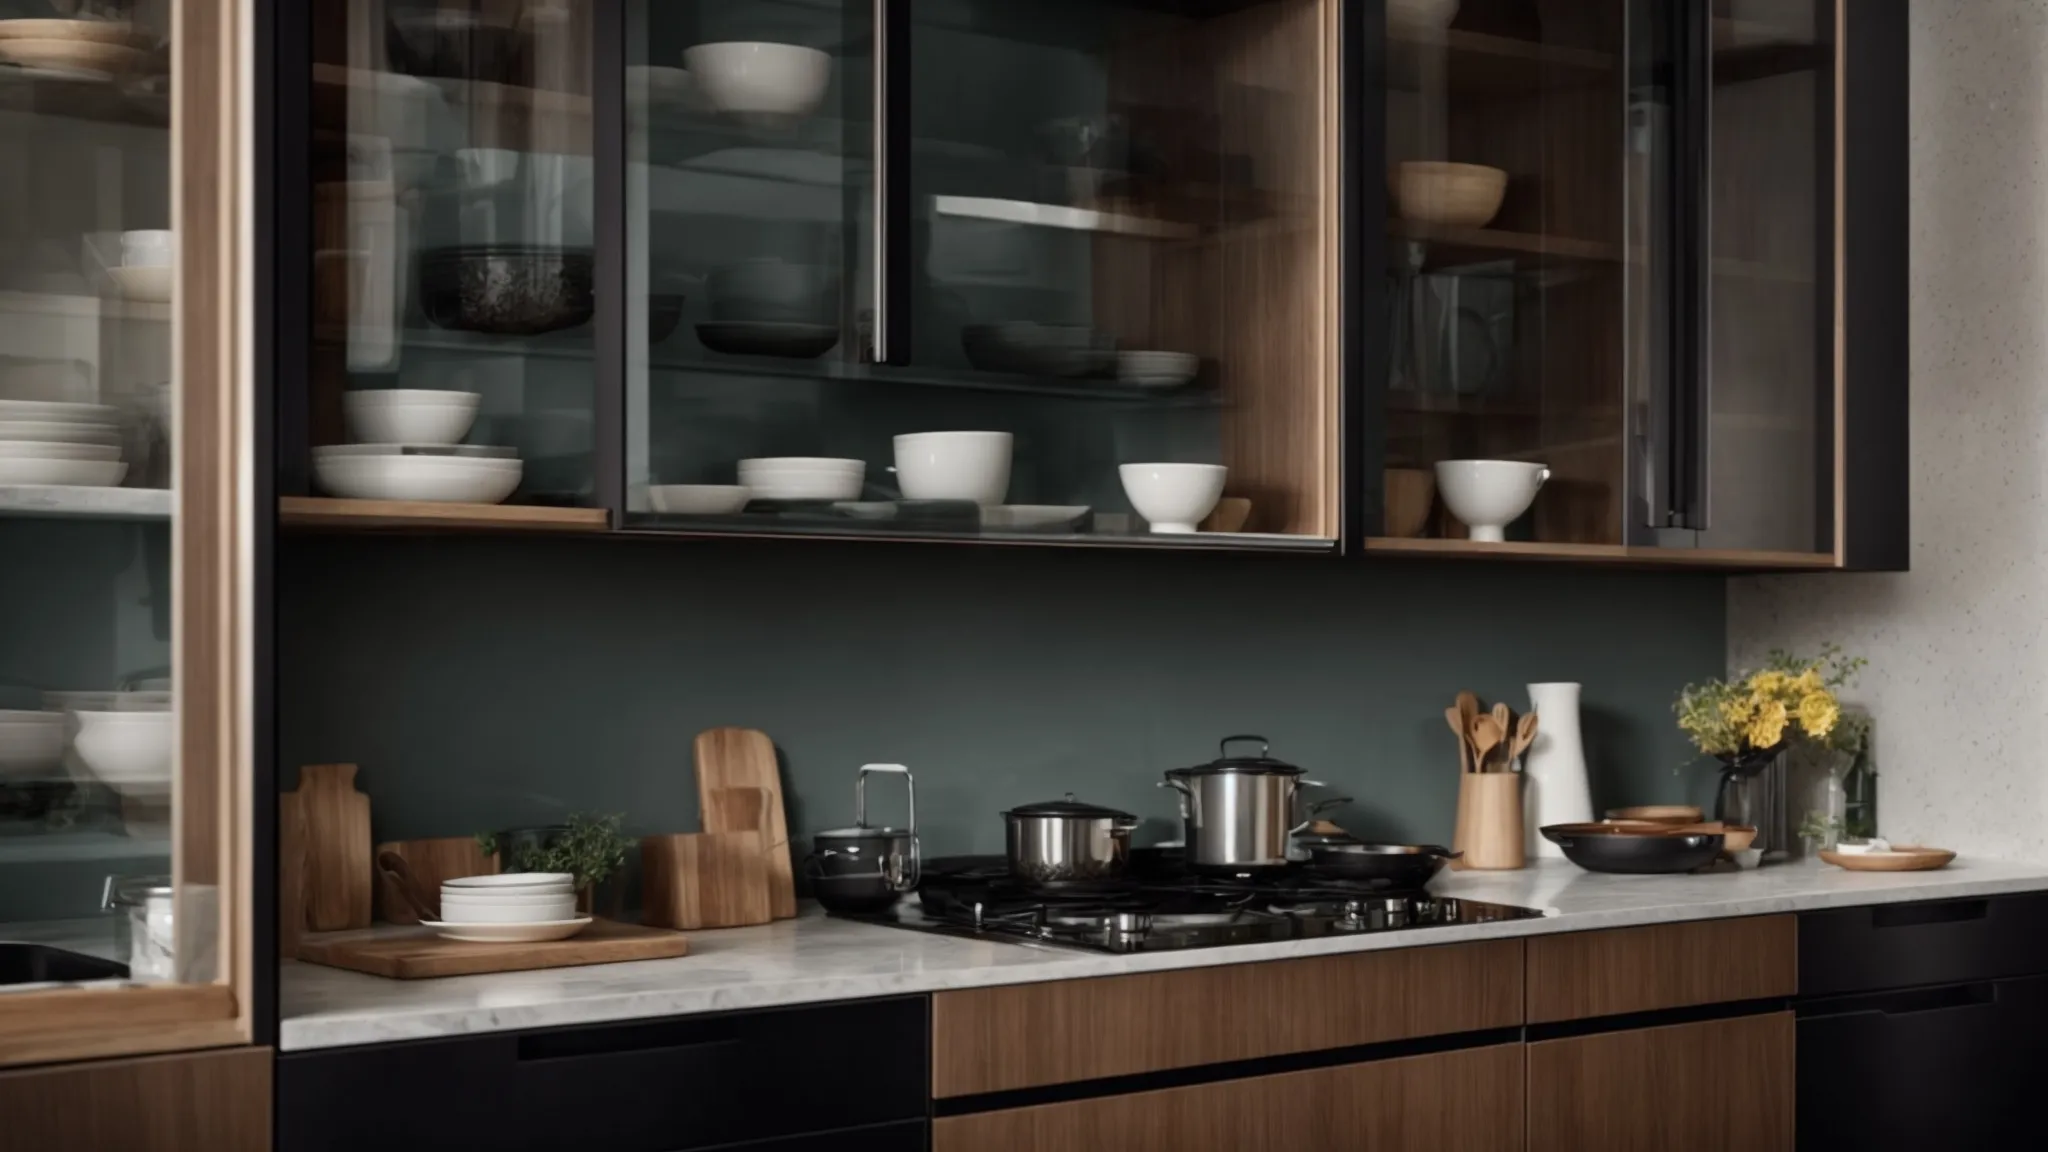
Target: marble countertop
(819,958)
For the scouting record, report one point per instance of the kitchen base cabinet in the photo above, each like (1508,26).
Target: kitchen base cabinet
(1469,1100)
(218,1101)
(1703,1087)
(908,1136)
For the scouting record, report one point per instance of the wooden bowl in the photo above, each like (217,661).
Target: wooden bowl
(1658,813)
(1410,493)
(79,57)
(1440,192)
(85,31)
(1902,858)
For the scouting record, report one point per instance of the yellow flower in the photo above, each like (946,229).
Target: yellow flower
(1768,683)
(1818,713)
(1736,710)
(1808,682)
(1767,727)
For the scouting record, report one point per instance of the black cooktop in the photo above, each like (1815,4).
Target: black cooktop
(1161,908)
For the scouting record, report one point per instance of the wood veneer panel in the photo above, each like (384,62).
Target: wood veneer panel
(323,512)
(1023,1036)
(1581,974)
(218,1101)
(1702,1087)
(1470,1101)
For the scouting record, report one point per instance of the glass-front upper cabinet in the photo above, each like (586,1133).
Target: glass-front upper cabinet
(126,523)
(1608,304)
(453,354)
(1013,269)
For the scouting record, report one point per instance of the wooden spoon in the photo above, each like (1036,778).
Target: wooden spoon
(1457,724)
(408,885)
(1525,735)
(1505,721)
(1485,738)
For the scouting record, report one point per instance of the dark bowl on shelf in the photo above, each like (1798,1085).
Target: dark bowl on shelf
(664,316)
(758,338)
(508,290)
(1608,848)
(1029,349)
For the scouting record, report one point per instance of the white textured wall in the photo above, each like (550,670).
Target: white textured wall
(1958,680)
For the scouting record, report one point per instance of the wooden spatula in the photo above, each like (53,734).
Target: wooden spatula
(1525,735)
(1457,724)
(1486,736)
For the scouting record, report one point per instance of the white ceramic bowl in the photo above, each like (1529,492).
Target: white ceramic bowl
(954,466)
(509,880)
(803,478)
(31,744)
(148,248)
(59,412)
(1489,495)
(150,283)
(1173,498)
(60,432)
(698,499)
(1157,369)
(410,415)
(451,479)
(37,450)
(128,751)
(86,473)
(771,82)
(555,910)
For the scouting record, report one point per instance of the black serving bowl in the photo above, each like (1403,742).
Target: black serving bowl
(1604,848)
(508,290)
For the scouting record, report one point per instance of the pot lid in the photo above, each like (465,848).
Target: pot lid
(1263,763)
(1079,809)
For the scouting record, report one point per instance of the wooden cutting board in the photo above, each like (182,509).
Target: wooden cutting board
(418,954)
(431,862)
(745,758)
(291,873)
(705,880)
(338,868)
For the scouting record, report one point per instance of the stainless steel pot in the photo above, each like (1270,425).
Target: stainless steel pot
(865,868)
(1067,842)
(1238,810)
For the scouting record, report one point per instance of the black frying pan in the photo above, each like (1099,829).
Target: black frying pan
(1608,848)
(1401,865)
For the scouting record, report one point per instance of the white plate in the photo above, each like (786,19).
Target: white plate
(60,432)
(509,933)
(509,880)
(1016,516)
(43,450)
(58,411)
(447,478)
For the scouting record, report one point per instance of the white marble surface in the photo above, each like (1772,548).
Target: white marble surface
(1958,647)
(816,958)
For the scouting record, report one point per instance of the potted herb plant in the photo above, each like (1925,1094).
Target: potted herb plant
(589,847)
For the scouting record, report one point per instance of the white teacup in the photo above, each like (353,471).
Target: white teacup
(1489,495)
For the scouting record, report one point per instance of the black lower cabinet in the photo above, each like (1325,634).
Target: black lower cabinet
(1955,1066)
(849,1077)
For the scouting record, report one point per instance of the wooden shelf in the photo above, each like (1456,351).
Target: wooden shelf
(317,512)
(1618,555)
(1453,245)
(77,502)
(1483,67)
(1412,401)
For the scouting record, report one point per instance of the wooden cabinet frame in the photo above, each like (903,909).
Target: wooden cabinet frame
(213,537)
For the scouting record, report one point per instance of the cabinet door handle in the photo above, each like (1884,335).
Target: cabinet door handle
(1915,915)
(663,1036)
(1692,415)
(891,336)
(1906,1003)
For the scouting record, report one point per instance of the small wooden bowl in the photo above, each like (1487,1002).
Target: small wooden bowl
(1440,192)
(85,58)
(1410,493)
(89,31)
(1902,858)
(1657,813)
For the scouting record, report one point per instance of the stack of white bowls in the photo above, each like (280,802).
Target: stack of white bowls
(147,268)
(31,745)
(50,442)
(130,752)
(409,447)
(515,906)
(803,478)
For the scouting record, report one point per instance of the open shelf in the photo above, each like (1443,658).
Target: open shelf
(1060,216)
(1484,67)
(81,845)
(74,502)
(26,91)
(1621,555)
(321,512)
(772,526)
(1449,244)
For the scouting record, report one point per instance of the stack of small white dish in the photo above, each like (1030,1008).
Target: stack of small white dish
(50,442)
(803,478)
(410,448)
(130,752)
(512,908)
(147,270)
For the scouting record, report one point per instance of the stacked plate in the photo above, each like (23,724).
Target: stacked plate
(410,448)
(1160,371)
(130,752)
(50,442)
(802,478)
(513,908)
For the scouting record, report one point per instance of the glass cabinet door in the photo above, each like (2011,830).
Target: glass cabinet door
(454,252)
(1012,269)
(123,399)
(1507,274)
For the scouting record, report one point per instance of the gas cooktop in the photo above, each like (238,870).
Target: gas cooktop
(1166,911)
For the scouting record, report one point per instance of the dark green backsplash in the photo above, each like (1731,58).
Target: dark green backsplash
(483,683)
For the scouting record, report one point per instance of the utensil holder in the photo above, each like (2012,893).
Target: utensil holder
(1489,828)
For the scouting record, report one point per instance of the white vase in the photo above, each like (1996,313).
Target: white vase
(1555,789)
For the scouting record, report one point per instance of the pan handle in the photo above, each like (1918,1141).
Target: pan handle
(1314,808)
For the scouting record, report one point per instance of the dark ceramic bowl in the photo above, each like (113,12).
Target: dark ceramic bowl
(508,290)
(664,316)
(757,338)
(1604,848)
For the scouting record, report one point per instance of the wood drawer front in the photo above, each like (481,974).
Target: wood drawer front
(217,1100)
(1705,1087)
(1468,1101)
(1581,974)
(1029,1035)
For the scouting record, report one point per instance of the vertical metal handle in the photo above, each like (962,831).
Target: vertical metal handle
(860,792)
(891,337)
(882,312)
(1692,420)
